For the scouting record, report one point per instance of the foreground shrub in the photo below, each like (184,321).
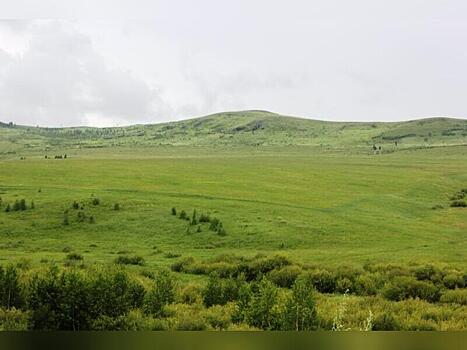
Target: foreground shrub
(456,296)
(191,323)
(218,317)
(134,320)
(14,320)
(385,322)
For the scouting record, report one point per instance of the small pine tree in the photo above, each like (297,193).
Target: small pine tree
(32,205)
(116,206)
(204,218)
(92,220)
(8,208)
(220,230)
(16,206)
(194,219)
(174,211)
(183,215)
(66,220)
(22,204)
(75,205)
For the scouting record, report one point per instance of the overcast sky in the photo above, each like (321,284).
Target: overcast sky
(65,63)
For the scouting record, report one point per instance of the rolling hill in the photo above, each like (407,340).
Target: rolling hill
(244,128)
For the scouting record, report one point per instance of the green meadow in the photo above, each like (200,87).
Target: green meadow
(315,207)
(291,200)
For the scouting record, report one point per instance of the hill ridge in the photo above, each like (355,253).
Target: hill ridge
(242,128)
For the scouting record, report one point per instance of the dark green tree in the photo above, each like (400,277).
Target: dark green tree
(162,294)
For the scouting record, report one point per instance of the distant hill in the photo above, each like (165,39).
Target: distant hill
(244,128)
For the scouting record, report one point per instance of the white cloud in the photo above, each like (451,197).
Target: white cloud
(60,79)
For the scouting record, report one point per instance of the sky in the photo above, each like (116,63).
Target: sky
(112,63)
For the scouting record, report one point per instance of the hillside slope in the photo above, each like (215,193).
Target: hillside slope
(245,128)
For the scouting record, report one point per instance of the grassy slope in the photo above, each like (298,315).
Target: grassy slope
(240,129)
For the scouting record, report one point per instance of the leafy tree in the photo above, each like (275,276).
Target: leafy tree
(262,309)
(242,305)
(162,294)
(10,288)
(212,294)
(300,312)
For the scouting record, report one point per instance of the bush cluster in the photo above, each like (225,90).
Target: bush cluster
(215,224)
(130,260)
(18,205)
(458,199)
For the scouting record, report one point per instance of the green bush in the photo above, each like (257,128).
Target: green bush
(191,294)
(173,211)
(219,291)
(130,260)
(421,325)
(95,201)
(401,288)
(14,320)
(459,203)
(428,273)
(453,280)
(74,256)
(456,296)
(323,280)
(162,294)
(367,284)
(191,323)
(204,218)
(385,322)
(218,318)
(285,277)
(182,265)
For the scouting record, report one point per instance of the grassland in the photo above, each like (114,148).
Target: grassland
(327,200)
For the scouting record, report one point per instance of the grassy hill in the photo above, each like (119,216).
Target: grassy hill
(246,128)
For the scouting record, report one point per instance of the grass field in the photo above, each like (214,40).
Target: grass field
(317,206)
(330,208)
